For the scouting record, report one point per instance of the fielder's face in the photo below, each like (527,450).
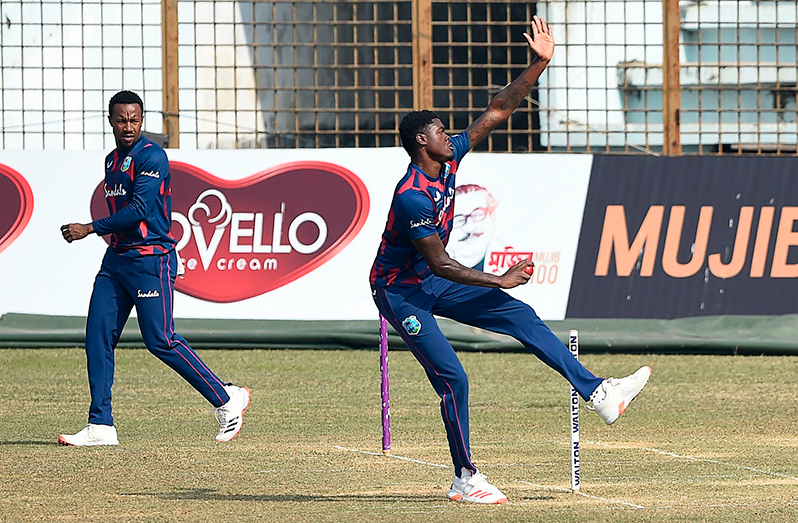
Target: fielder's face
(126,121)
(437,142)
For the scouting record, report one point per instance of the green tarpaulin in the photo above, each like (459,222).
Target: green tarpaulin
(710,334)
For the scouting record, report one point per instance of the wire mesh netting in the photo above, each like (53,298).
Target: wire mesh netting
(324,73)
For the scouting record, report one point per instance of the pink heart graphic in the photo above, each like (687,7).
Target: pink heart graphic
(16,205)
(243,238)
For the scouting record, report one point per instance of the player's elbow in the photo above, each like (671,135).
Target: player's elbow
(441,267)
(436,270)
(137,217)
(139,209)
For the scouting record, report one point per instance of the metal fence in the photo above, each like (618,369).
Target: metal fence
(294,74)
(631,77)
(61,61)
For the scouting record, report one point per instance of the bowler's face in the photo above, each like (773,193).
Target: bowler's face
(438,143)
(126,121)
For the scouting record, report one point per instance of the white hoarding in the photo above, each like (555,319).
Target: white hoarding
(536,207)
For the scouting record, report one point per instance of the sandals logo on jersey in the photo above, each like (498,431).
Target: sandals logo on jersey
(16,205)
(412,325)
(240,239)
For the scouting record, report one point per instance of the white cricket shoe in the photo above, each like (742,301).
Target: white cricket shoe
(91,435)
(230,415)
(612,397)
(475,488)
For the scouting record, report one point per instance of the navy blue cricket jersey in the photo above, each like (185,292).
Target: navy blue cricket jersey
(421,206)
(138,194)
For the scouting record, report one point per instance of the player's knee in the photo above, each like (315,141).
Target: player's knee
(459,384)
(158,346)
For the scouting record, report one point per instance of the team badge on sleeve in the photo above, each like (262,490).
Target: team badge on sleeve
(412,325)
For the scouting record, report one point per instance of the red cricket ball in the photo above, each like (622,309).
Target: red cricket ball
(529,270)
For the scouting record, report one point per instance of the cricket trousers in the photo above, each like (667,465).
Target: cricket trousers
(410,310)
(146,282)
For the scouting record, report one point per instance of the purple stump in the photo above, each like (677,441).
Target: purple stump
(384,385)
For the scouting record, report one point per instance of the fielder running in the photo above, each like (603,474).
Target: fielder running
(413,278)
(139,270)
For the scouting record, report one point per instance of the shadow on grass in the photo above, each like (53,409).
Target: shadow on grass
(213,495)
(538,498)
(28,442)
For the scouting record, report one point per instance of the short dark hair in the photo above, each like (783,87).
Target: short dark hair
(412,124)
(125,97)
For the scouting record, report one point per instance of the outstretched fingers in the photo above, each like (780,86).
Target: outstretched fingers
(538,26)
(544,27)
(541,40)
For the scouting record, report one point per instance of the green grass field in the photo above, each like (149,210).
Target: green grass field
(712,438)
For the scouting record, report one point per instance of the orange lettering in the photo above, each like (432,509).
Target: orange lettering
(786,237)
(735,265)
(762,242)
(673,237)
(615,239)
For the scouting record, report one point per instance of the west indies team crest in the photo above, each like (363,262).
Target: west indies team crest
(16,205)
(243,238)
(412,325)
